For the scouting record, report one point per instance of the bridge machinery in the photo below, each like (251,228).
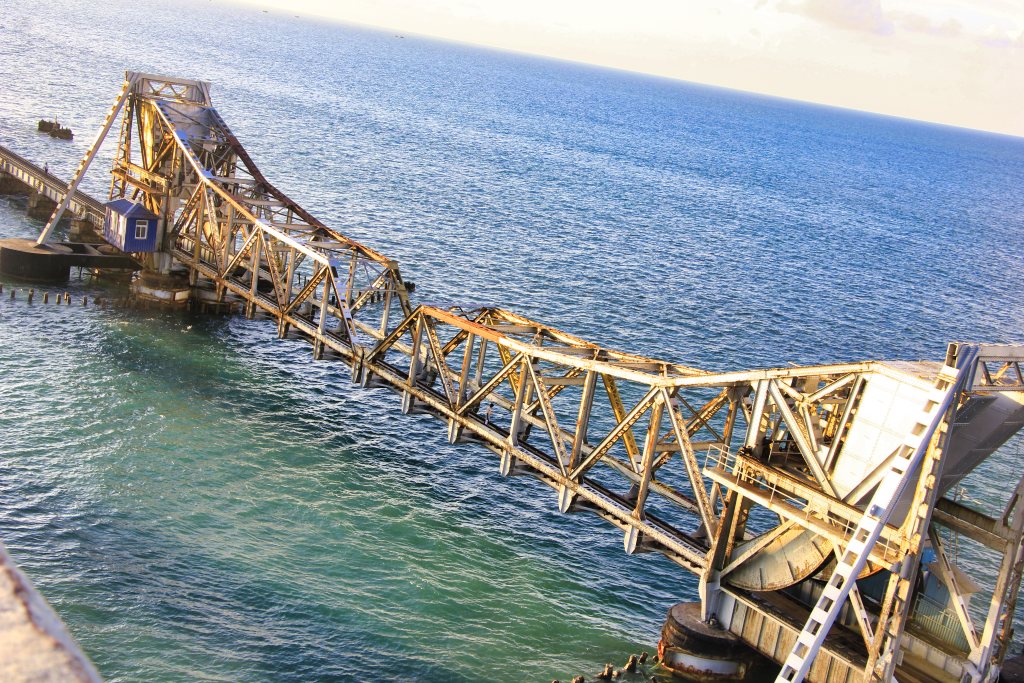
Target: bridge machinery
(816,505)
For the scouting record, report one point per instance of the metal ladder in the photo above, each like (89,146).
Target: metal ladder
(889,491)
(83,165)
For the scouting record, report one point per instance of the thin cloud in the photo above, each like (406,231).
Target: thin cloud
(867,16)
(918,23)
(992,36)
(854,15)
(1003,41)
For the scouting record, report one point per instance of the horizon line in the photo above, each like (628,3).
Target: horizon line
(269,9)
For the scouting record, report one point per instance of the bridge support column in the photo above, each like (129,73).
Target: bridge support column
(458,434)
(454,431)
(210,297)
(368,380)
(24,259)
(163,291)
(11,185)
(84,230)
(40,206)
(706,652)
(511,466)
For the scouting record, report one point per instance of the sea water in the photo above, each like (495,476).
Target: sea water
(202,502)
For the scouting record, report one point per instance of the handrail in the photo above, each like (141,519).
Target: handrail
(49,179)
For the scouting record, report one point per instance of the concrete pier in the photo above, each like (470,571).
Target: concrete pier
(34,644)
(40,206)
(85,226)
(165,291)
(11,185)
(707,652)
(83,229)
(26,260)
(19,176)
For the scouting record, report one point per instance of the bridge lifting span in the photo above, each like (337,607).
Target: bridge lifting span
(777,488)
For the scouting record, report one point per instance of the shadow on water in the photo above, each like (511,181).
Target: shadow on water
(302,482)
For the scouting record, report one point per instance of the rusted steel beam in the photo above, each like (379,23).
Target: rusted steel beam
(544,415)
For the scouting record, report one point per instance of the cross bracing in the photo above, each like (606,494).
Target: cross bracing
(791,482)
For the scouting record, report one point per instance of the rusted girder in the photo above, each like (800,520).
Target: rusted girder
(601,427)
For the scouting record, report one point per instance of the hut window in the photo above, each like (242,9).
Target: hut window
(141,230)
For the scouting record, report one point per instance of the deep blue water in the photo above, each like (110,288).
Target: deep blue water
(200,501)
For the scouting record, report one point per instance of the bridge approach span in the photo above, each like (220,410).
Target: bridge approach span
(34,178)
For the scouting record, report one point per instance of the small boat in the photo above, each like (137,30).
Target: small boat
(55,130)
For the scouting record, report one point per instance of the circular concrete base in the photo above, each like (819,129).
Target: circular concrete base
(170,291)
(691,648)
(26,260)
(206,299)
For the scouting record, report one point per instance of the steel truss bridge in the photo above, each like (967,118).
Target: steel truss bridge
(777,488)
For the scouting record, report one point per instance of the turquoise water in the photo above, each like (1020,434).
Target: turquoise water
(251,519)
(201,501)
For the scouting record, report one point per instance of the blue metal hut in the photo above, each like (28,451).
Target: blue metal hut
(130,226)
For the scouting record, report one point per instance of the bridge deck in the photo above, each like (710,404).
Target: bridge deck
(49,185)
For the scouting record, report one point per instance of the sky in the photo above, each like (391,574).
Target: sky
(958,62)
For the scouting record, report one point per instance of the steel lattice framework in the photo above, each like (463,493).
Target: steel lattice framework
(723,473)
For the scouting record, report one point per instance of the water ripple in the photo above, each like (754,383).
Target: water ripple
(201,501)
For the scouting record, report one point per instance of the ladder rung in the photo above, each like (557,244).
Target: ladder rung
(818,617)
(830,592)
